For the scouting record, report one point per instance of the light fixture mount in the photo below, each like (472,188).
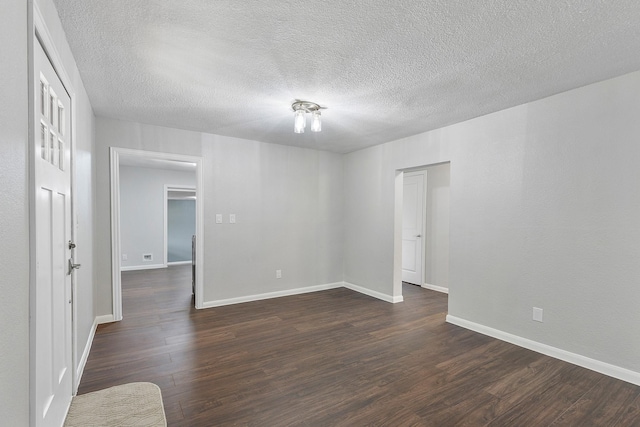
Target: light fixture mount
(300,108)
(306,106)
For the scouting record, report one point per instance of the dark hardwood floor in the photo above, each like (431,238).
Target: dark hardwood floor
(337,358)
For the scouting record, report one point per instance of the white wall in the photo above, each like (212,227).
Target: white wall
(287,201)
(14,215)
(437,230)
(142,212)
(545,212)
(85,210)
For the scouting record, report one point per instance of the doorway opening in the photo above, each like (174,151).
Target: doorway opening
(139,213)
(179,224)
(422,228)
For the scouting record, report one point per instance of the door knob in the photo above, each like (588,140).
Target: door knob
(418,235)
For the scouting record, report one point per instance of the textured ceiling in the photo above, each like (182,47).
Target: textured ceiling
(385,69)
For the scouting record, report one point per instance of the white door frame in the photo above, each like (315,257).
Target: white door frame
(167,189)
(397,225)
(116,284)
(423,239)
(41,32)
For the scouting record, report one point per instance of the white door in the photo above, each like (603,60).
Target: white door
(412,228)
(51,312)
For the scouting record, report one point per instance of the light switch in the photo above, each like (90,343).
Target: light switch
(537,314)
(218,218)
(232,218)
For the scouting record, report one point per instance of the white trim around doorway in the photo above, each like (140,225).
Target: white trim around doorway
(116,284)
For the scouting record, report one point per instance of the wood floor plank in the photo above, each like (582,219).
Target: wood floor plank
(612,402)
(541,406)
(337,358)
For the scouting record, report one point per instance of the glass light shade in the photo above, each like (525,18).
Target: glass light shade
(316,124)
(300,121)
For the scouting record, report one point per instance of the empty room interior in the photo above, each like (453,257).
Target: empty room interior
(320,214)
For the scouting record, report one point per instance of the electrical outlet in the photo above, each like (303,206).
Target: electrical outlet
(124,257)
(278,274)
(147,257)
(537,314)
(232,218)
(218,218)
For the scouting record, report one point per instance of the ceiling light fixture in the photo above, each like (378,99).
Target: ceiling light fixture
(300,108)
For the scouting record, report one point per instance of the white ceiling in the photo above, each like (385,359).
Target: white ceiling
(385,69)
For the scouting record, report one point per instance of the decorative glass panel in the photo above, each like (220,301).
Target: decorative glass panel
(53,147)
(53,107)
(43,98)
(61,154)
(44,147)
(61,128)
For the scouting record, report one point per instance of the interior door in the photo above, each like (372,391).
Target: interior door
(413,228)
(51,312)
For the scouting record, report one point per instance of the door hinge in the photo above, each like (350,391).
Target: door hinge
(73,266)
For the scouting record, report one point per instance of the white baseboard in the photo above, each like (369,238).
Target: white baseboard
(85,355)
(107,318)
(277,294)
(298,291)
(375,294)
(143,267)
(179,263)
(576,359)
(436,288)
